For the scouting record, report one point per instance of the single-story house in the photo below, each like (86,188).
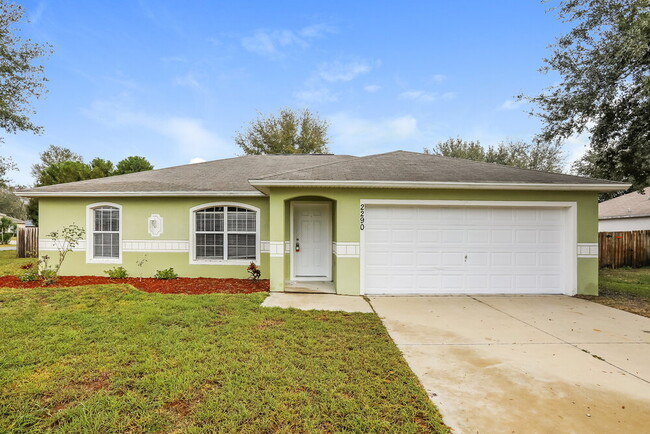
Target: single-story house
(18,222)
(394,223)
(630,212)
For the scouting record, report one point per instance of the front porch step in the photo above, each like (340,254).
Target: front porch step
(315,287)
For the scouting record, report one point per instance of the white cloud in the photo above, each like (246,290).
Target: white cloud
(439,78)
(426,97)
(188,80)
(36,16)
(272,43)
(511,104)
(188,134)
(317,30)
(351,133)
(576,146)
(371,88)
(418,95)
(316,95)
(448,96)
(197,160)
(339,71)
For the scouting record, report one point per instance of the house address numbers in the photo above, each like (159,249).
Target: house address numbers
(362,216)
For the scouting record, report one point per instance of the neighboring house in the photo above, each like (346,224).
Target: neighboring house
(394,223)
(18,222)
(630,212)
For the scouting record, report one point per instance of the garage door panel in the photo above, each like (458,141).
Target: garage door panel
(550,236)
(431,250)
(478,259)
(427,259)
(501,236)
(526,259)
(501,258)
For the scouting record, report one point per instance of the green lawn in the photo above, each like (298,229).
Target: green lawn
(624,288)
(630,281)
(9,264)
(109,358)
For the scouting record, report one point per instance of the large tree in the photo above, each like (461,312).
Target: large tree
(11,204)
(132,164)
(6,165)
(21,77)
(539,156)
(59,165)
(289,132)
(604,87)
(52,155)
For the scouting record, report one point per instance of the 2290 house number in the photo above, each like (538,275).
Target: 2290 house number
(362,218)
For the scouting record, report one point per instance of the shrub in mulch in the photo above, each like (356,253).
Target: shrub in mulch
(181,285)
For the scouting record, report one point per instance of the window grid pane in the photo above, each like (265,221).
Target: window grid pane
(241,220)
(241,246)
(106,245)
(224,233)
(209,246)
(210,220)
(106,232)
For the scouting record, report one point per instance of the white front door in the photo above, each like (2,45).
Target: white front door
(312,241)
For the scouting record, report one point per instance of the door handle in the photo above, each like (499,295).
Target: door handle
(297,244)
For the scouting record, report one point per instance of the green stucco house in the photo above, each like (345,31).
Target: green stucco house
(396,223)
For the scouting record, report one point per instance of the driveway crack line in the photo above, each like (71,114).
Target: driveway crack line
(562,340)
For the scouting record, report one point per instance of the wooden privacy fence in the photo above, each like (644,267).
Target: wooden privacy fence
(624,249)
(27,243)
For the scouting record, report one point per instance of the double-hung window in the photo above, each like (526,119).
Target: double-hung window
(104,233)
(225,233)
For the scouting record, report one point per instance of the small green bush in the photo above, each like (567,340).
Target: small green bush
(166,274)
(29,276)
(117,273)
(6,237)
(49,275)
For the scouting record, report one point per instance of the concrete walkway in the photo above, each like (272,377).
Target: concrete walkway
(526,363)
(345,303)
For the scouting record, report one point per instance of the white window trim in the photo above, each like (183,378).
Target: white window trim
(192,253)
(90,225)
(571,216)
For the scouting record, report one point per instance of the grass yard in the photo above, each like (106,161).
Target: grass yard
(624,288)
(9,264)
(110,358)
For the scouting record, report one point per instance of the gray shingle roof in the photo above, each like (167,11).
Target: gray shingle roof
(234,174)
(226,175)
(632,204)
(415,167)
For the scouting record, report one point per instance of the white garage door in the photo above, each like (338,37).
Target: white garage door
(447,250)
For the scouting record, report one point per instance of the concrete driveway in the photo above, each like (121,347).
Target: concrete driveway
(526,363)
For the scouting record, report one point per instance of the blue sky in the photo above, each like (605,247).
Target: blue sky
(174,81)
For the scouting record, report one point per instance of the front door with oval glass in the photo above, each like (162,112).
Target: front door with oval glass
(312,241)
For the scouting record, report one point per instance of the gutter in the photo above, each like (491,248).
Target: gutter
(616,217)
(33,193)
(437,185)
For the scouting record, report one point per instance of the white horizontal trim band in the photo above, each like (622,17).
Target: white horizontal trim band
(173,246)
(136,193)
(346,249)
(587,250)
(440,185)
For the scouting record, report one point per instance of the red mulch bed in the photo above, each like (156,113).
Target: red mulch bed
(182,285)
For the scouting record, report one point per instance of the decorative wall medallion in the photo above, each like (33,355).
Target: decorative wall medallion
(155,225)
